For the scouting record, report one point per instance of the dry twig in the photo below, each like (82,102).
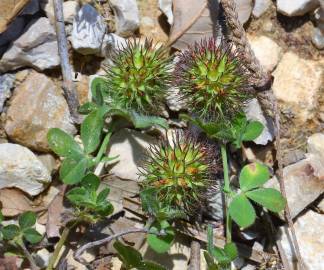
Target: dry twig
(68,86)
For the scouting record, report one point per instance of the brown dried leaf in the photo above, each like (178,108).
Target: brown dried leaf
(193,20)
(55,210)
(15,202)
(8,263)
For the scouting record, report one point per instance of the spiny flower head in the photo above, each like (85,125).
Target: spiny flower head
(138,76)
(179,170)
(211,79)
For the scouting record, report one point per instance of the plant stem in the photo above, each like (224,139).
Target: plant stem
(59,245)
(227,190)
(103,147)
(29,257)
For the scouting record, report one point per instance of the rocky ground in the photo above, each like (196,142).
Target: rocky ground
(286,36)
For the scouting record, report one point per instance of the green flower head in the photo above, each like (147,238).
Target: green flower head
(179,170)
(138,76)
(211,79)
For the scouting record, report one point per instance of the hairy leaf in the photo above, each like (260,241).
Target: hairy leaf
(129,256)
(149,201)
(253,175)
(32,236)
(160,244)
(63,144)
(90,182)
(91,130)
(73,172)
(269,198)
(252,131)
(87,108)
(9,232)
(27,220)
(242,211)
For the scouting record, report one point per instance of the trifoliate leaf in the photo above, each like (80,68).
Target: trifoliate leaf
(90,182)
(27,220)
(242,211)
(9,232)
(73,172)
(253,175)
(269,198)
(32,236)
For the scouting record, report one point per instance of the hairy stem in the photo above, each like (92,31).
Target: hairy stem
(103,147)
(227,190)
(59,245)
(27,254)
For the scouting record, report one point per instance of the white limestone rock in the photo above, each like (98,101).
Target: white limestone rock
(6,84)
(260,7)
(296,7)
(127,16)
(244,9)
(36,47)
(88,31)
(20,168)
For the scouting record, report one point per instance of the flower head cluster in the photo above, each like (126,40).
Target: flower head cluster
(211,79)
(138,76)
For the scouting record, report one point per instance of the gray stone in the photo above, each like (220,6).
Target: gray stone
(318,38)
(6,84)
(13,31)
(244,9)
(166,7)
(70,9)
(315,148)
(127,16)
(297,7)
(36,47)
(174,101)
(20,168)
(304,183)
(254,112)
(130,146)
(260,7)
(31,8)
(308,228)
(49,162)
(47,109)
(111,42)
(88,31)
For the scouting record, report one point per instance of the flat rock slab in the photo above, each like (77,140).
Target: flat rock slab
(296,7)
(20,168)
(309,232)
(37,105)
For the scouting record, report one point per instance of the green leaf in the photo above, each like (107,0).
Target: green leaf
(87,108)
(220,256)
(148,265)
(129,256)
(253,175)
(32,236)
(73,172)
(269,198)
(149,201)
(27,220)
(91,130)
(210,239)
(90,182)
(1,217)
(160,244)
(98,85)
(102,196)
(231,251)
(77,195)
(210,262)
(10,231)
(105,209)
(242,211)
(63,144)
(253,130)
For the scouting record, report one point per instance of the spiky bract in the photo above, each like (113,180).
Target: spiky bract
(138,76)
(178,169)
(211,79)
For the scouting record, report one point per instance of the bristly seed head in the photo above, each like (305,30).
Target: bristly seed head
(211,79)
(179,170)
(139,75)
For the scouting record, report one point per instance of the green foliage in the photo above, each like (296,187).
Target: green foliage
(251,180)
(91,205)
(25,230)
(160,243)
(235,130)
(219,258)
(211,79)
(179,172)
(132,259)
(138,77)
